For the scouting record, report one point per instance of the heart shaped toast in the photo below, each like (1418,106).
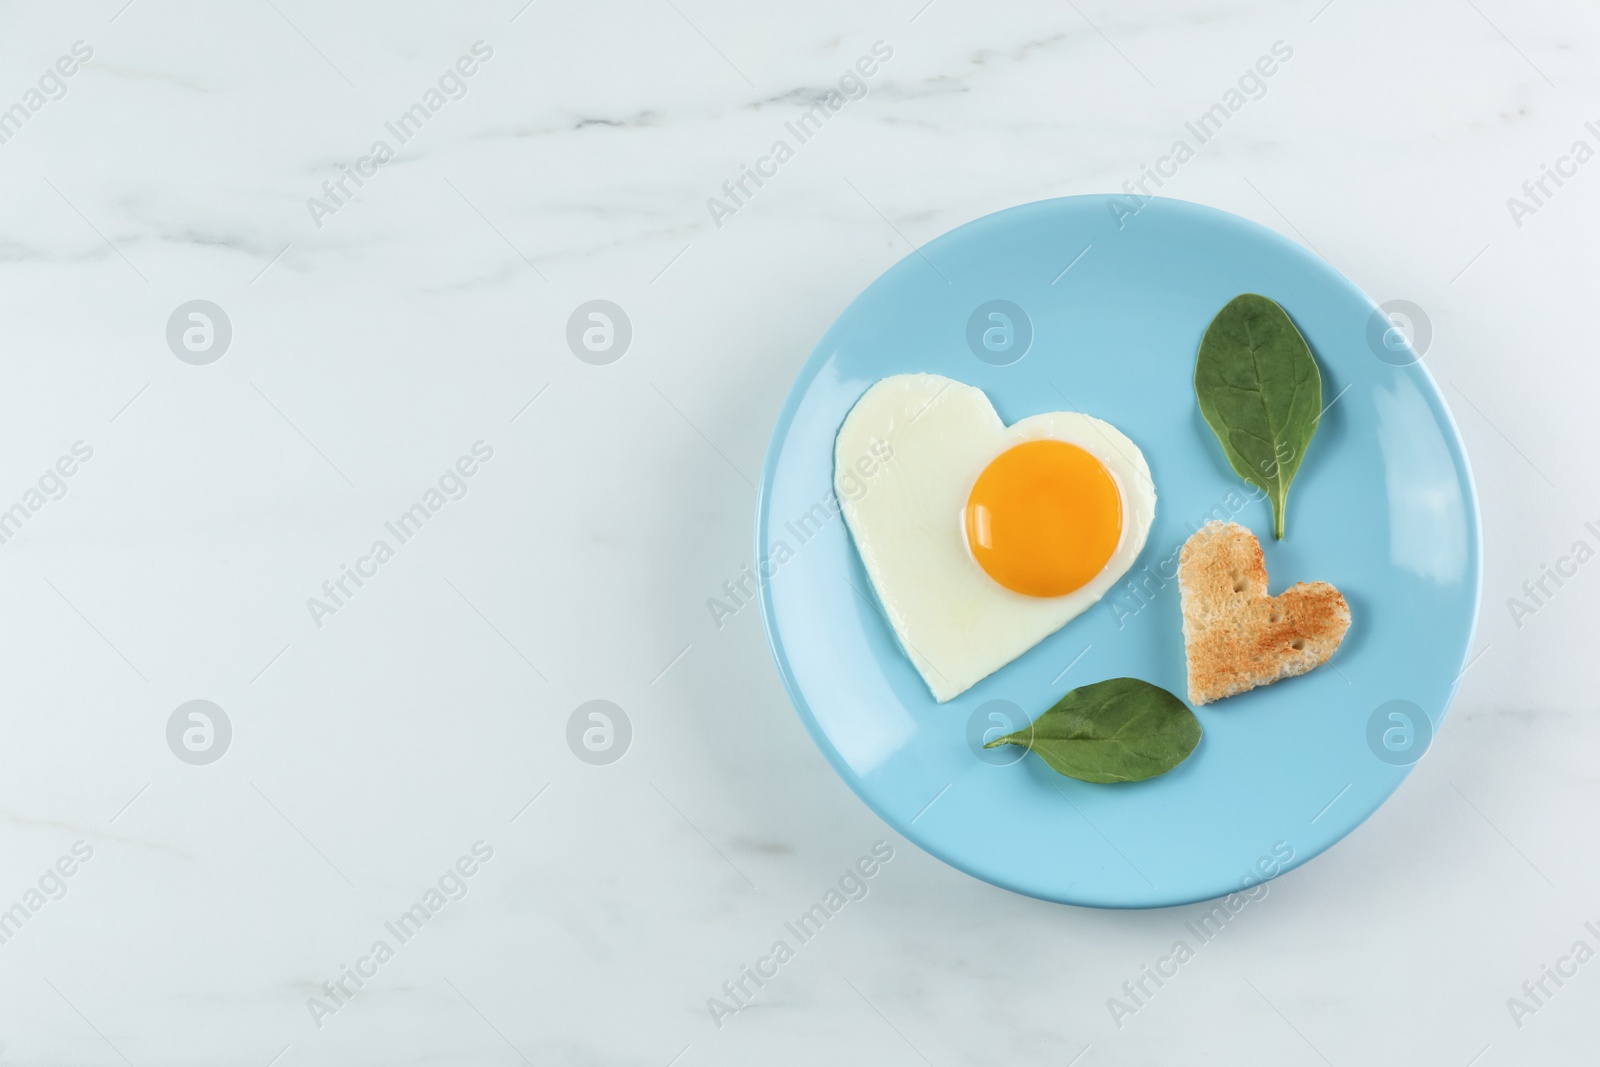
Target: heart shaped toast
(1237,637)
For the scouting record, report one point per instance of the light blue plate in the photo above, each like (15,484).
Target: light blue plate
(1383,507)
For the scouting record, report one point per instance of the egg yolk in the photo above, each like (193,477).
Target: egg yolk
(1044,518)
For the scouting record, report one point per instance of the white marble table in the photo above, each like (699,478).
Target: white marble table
(383,332)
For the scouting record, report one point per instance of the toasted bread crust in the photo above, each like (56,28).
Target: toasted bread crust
(1237,637)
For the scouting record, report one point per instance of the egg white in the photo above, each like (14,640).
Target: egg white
(956,623)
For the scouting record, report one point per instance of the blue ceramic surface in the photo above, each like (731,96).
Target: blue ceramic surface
(1383,507)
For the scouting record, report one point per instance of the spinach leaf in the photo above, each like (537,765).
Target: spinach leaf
(1119,730)
(1261,393)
